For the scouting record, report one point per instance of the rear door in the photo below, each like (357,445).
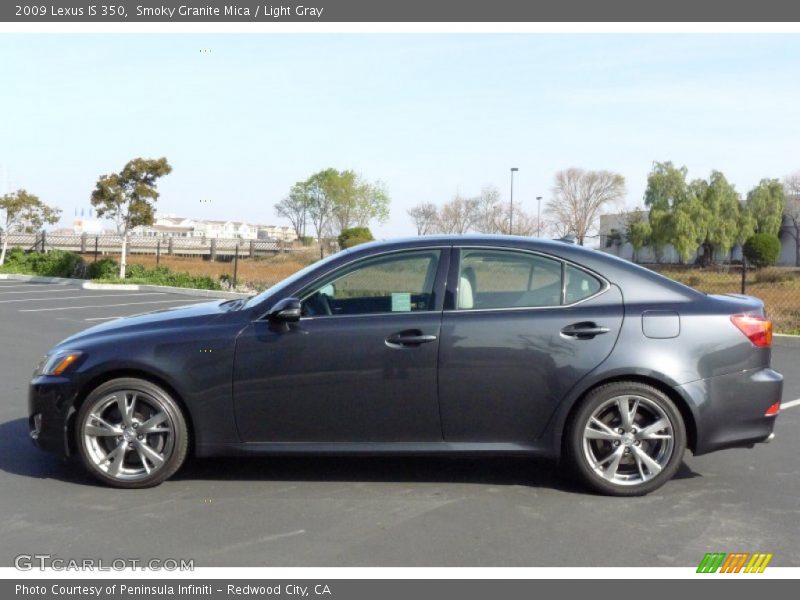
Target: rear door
(522,330)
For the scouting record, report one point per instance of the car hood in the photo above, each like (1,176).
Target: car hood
(184,315)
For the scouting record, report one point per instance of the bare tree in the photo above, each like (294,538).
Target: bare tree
(294,207)
(458,215)
(791,211)
(579,196)
(524,224)
(425,217)
(490,216)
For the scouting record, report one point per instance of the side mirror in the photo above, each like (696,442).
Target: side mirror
(287,310)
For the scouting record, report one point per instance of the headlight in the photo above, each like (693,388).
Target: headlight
(58,363)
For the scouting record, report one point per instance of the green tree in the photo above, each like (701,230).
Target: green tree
(339,200)
(372,202)
(666,187)
(637,231)
(765,202)
(685,224)
(128,197)
(358,202)
(322,191)
(24,212)
(719,216)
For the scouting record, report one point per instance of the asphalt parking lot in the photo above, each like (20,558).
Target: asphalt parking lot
(370,512)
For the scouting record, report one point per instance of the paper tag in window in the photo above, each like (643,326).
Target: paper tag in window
(401,302)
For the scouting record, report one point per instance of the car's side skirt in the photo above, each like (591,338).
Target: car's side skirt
(371,448)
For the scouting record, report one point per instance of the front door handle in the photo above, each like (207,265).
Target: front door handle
(584,331)
(409,339)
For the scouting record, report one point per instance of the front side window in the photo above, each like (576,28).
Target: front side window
(510,279)
(400,282)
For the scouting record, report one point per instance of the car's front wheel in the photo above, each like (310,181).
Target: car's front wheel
(131,433)
(627,439)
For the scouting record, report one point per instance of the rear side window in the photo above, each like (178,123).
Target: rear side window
(509,279)
(579,285)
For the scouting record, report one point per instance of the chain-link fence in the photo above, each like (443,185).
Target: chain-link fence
(778,287)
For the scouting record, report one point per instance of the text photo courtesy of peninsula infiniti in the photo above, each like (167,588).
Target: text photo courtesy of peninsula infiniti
(431,345)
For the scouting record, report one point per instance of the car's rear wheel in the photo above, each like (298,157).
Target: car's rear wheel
(627,439)
(131,433)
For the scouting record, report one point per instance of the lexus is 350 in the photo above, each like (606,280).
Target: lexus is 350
(468,344)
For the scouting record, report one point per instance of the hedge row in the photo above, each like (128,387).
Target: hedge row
(59,263)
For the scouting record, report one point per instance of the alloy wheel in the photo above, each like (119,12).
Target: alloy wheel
(628,440)
(129,435)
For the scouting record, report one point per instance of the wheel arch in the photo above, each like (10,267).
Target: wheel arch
(681,402)
(101,378)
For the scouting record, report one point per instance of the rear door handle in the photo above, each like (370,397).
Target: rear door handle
(584,331)
(412,339)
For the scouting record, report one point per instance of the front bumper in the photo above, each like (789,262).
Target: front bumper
(51,402)
(729,409)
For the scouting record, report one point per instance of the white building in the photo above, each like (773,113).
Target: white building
(81,225)
(174,226)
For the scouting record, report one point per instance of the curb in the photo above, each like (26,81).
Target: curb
(89,285)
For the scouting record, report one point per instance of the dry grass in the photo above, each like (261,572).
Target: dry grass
(256,273)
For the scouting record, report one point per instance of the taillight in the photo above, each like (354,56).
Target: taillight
(758,329)
(773,410)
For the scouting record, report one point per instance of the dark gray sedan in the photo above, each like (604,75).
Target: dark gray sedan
(428,345)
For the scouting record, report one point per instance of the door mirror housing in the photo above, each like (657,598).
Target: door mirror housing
(288,310)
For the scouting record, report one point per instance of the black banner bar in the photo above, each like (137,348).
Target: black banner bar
(198,11)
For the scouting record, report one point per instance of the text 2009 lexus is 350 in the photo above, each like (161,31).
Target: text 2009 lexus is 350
(465,344)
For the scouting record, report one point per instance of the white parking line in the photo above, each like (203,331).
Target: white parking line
(59,298)
(40,291)
(790,404)
(192,300)
(39,285)
(103,318)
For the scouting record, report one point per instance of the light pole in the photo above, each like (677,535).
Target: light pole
(538,216)
(511,212)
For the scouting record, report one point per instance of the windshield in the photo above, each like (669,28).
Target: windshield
(281,285)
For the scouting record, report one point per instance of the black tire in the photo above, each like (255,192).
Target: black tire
(581,451)
(151,398)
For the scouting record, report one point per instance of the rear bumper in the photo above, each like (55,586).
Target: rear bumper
(729,409)
(51,403)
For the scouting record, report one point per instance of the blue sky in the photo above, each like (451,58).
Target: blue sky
(428,114)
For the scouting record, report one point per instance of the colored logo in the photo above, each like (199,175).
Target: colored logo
(737,562)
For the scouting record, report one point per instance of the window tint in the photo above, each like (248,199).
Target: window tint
(507,279)
(579,285)
(400,282)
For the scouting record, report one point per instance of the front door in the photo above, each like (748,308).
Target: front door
(359,366)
